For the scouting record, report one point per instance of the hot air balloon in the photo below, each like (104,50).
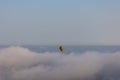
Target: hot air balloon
(61,48)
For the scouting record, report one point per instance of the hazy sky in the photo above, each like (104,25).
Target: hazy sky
(54,22)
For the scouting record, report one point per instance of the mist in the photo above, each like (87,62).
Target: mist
(18,63)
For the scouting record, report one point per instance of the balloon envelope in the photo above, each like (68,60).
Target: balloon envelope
(61,48)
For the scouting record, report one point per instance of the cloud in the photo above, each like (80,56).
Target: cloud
(18,63)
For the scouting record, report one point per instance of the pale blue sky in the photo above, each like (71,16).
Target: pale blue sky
(54,22)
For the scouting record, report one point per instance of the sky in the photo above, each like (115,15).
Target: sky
(55,22)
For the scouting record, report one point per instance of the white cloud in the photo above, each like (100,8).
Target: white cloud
(17,63)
